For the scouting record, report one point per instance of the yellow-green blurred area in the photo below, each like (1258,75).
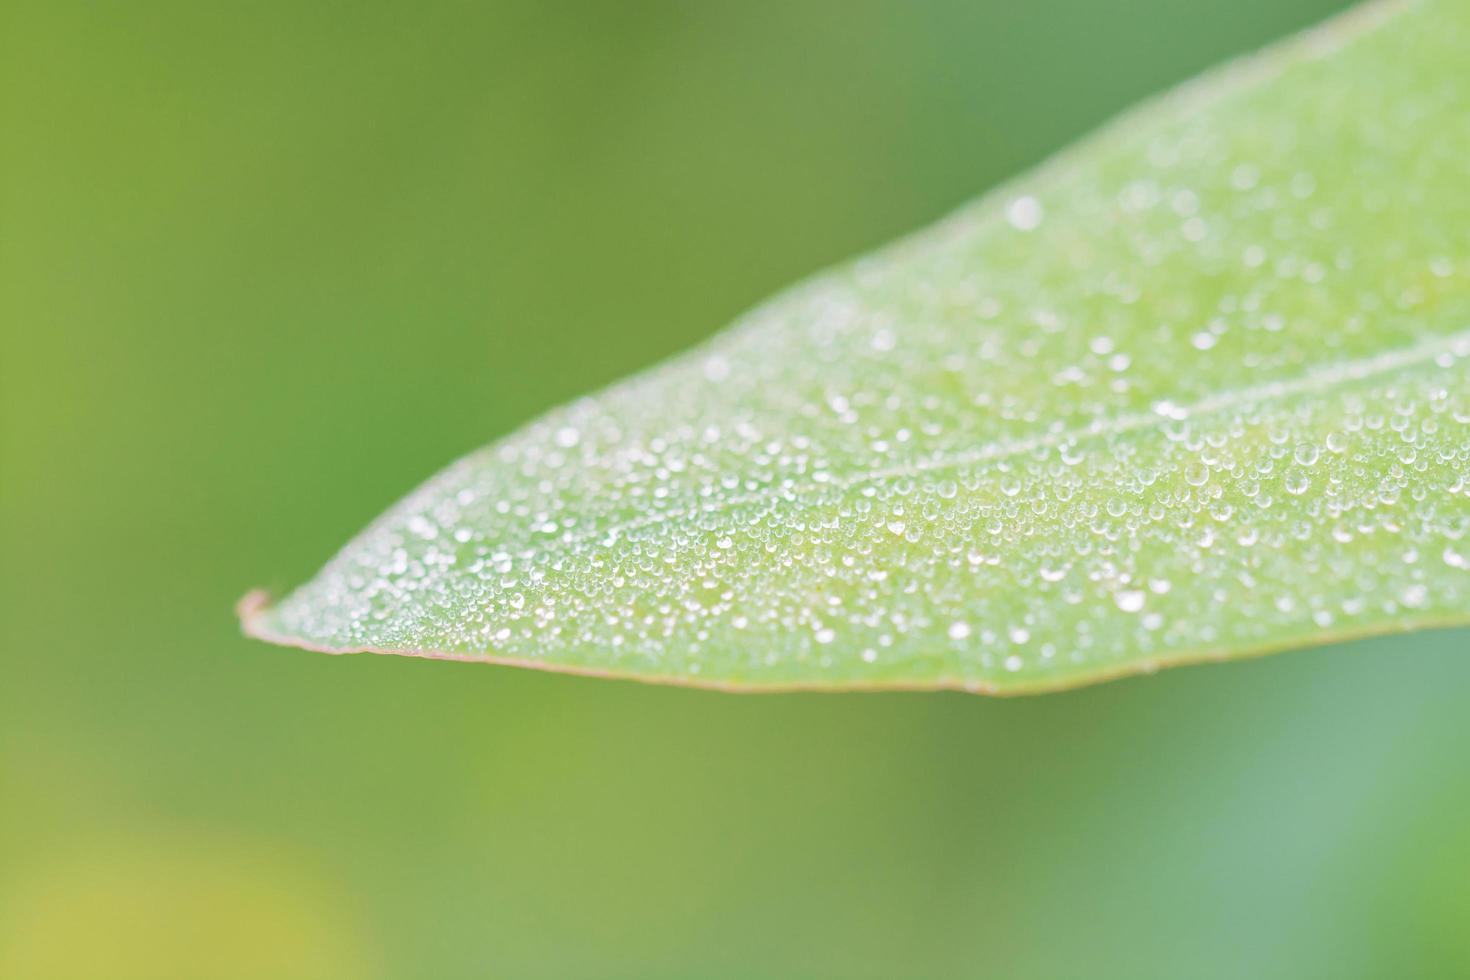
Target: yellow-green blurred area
(264,267)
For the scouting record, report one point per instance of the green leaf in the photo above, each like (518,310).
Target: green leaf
(1199,388)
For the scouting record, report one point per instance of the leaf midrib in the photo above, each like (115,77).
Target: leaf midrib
(1313,381)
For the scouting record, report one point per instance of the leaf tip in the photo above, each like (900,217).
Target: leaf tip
(252,610)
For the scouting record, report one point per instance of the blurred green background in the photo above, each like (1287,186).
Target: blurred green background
(264,267)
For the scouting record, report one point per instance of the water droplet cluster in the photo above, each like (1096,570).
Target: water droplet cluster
(1201,387)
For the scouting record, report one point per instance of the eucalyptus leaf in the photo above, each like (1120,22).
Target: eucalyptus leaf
(1198,388)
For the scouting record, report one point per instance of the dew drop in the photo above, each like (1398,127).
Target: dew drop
(1024,213)
(1130,600)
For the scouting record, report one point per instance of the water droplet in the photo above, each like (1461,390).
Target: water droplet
(1130,600)
(1024,213)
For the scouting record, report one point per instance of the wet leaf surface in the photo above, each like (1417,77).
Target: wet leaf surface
(1198,388)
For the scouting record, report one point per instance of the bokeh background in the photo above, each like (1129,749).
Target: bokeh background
(264,267)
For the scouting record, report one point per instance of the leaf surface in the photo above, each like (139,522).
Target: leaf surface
(1197,388)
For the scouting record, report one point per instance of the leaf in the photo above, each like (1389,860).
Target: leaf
(1199,388)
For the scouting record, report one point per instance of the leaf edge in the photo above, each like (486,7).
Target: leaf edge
(254,608)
